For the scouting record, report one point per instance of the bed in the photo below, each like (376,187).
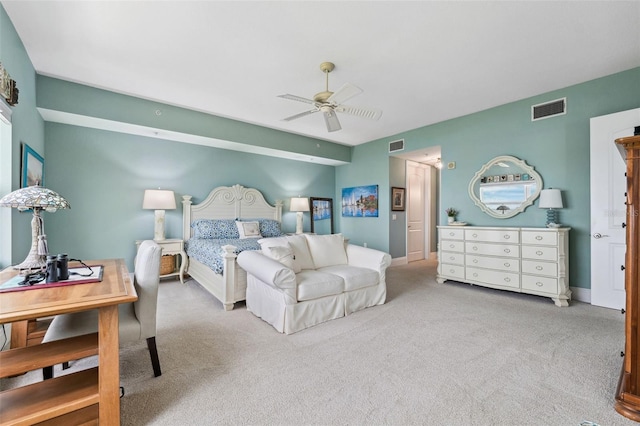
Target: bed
(225,202)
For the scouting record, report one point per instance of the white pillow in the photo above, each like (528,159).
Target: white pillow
(284,255)
(248,229)
(302,257)
(327,250)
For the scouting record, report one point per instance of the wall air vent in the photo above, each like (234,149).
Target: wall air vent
(549,109)
(396,146)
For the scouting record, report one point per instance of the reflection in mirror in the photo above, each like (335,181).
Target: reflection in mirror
(505,186)
(321,215)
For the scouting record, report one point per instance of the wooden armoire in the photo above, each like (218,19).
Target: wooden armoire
(628,392)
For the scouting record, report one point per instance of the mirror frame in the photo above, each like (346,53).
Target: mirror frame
(311,201)
(526,169)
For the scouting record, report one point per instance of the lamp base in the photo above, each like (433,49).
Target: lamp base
(158,229)
(33,260)
(299,217)
(552,217)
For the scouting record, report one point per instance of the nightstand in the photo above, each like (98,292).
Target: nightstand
(172,247)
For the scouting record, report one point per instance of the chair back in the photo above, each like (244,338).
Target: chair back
(146,280)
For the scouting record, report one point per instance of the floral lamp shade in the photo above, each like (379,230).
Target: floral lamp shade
(36,198)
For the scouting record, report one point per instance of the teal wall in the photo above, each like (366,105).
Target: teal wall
(558,148)
(397,227)
(28,127)
(104,174)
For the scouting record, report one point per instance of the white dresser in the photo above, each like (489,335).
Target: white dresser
(526,260)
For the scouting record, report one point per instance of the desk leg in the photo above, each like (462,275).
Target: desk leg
(108,366)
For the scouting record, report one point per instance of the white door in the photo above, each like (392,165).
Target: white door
(415,211)
(608,210)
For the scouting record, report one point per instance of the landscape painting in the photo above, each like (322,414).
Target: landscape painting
(360,201)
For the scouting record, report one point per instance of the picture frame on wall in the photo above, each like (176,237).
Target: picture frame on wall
(321,215)
(397,199)
(32,167)
(360,201)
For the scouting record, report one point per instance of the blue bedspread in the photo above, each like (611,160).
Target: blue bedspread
(209,251)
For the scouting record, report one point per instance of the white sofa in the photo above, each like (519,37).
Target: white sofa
(299,281)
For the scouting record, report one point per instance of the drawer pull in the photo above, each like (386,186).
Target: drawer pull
(506,237)
(507,250)
(475,260)
(452,258)
(452,245)
(538,237)
(539,268)
(475,274)
(507,279)
(539,284)
(475,248)
(507,264)
(453,271)
(474,235)
(539,253)
(451,234)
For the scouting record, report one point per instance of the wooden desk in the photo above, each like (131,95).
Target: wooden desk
(76,396)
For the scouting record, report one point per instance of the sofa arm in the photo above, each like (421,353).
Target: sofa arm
(269,271)
(368,258)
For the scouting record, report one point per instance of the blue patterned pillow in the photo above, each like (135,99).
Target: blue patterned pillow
(270,228)
(215,229)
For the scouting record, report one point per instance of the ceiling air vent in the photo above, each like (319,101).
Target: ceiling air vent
(549,109)
(396,145)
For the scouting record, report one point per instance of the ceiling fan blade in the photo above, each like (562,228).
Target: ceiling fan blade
(302,114)
(297,98)
(331,120)
(347,91)
(364,112)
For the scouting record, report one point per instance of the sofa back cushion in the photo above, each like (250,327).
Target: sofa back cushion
(298,243)
(327,250)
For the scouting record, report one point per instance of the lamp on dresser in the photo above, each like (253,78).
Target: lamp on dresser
(159,200)
(35,198)
(551,199)
(299,205)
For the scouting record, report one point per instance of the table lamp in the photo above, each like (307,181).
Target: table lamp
(159,200)
(37,199)
(551,199)
(299,205)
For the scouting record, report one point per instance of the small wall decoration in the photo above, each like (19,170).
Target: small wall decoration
(322,212)
(32,167)
(397,199)
(8,88)
(360,201)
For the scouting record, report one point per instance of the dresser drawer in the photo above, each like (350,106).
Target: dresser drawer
(540,237)
(496,278)
(539,268)
(452,257)
(540,284)
(449,245)
(504,250)
(452,271)
(491,235)
(540,252)
(171,248)
(500,263)
(451,234)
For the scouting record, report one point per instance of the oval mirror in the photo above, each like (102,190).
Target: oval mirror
(505,186)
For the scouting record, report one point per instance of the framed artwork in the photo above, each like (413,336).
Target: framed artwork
(321,215)
(32,167)
(397,199)
(360,201)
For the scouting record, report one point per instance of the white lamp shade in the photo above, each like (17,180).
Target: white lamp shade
(550,199)
(299,204)
(159,199)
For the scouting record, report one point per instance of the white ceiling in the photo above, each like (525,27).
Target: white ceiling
(421,62)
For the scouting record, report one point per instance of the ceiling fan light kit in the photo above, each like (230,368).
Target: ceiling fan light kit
(329,103)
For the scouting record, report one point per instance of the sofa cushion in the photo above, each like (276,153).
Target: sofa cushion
(327,250)
(354,277)
(284,255)
(302,256)
(314,284)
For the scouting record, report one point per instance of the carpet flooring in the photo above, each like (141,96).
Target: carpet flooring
(436,354)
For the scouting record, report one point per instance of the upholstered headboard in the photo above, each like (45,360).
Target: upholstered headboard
(228,202)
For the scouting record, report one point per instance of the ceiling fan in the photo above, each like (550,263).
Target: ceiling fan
(329,103)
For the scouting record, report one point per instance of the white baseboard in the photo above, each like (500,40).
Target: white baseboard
(397,261)
(581,294)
